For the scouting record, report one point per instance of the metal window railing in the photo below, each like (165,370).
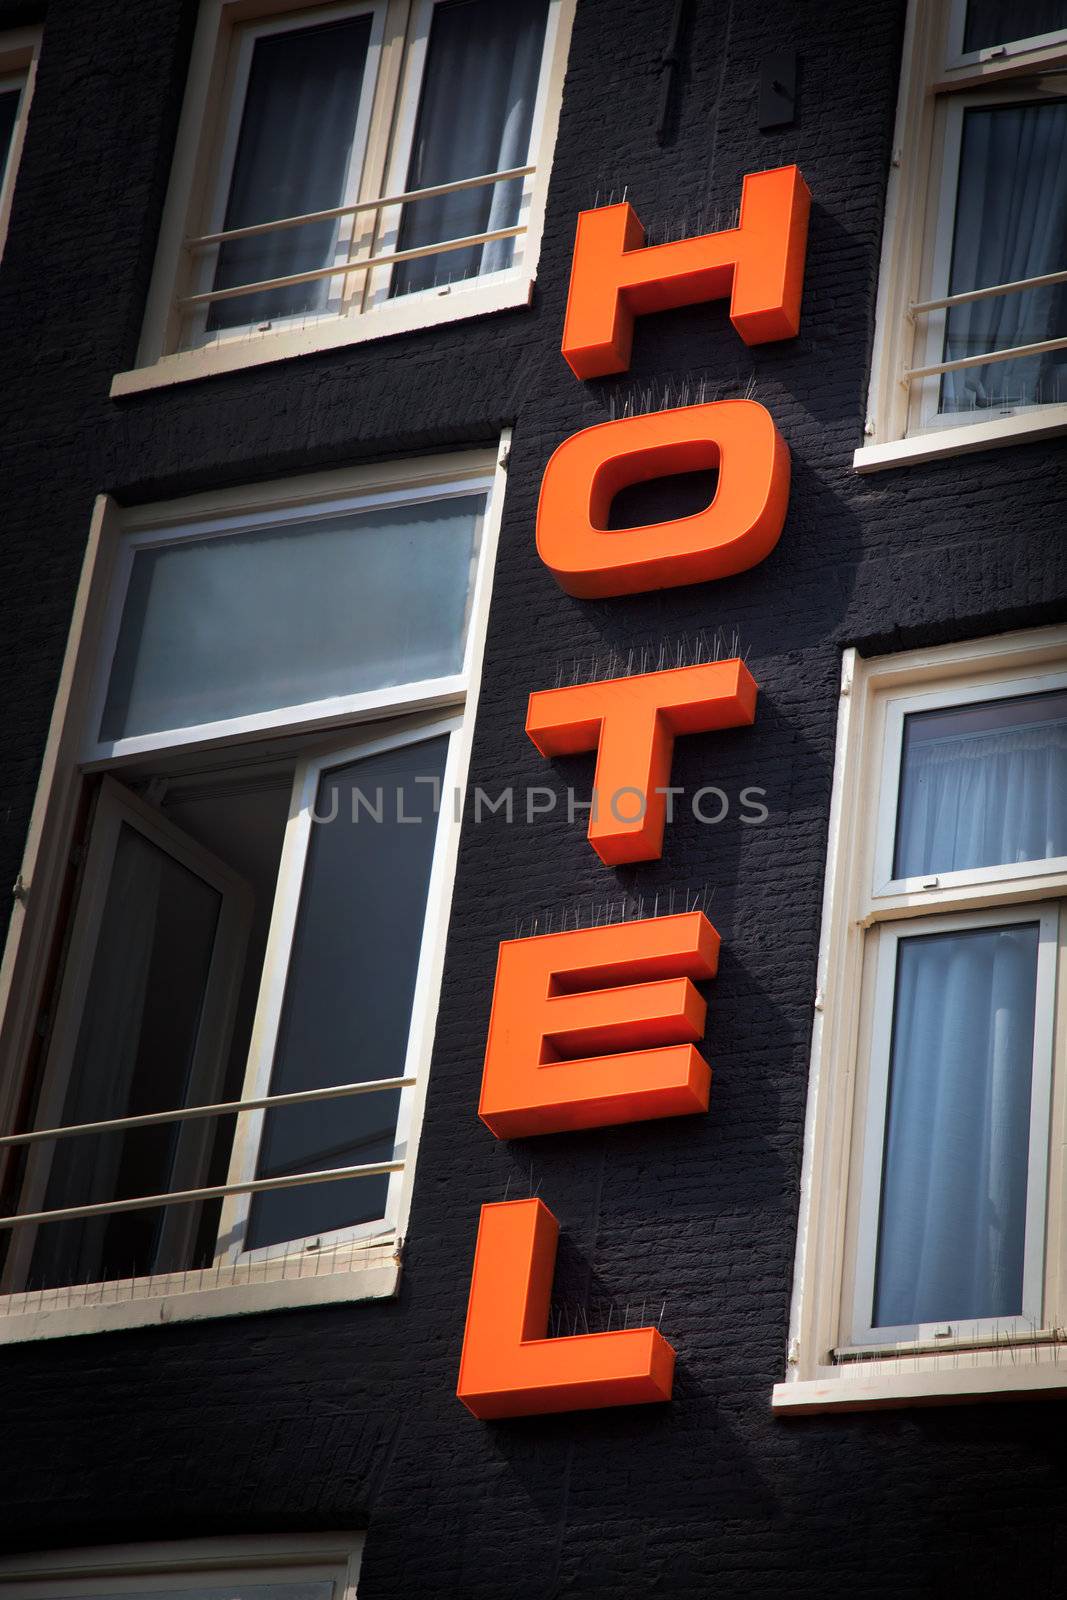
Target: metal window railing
(208,241)
(921,308)
(290,1180)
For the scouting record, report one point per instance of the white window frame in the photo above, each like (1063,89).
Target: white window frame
(366,1264)
(244,1159)
(209,118)
(884,885)
(396,180)
(177,1566)
(116,808)
(245,42)
(834,1360)
(313,714)
(878,1047)
(936,85)
(19,50)
(957,57)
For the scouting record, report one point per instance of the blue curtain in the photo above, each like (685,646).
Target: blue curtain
(952,1225)
(1011,223)
(974,796)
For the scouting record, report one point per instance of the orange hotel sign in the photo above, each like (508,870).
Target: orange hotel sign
(598,1026)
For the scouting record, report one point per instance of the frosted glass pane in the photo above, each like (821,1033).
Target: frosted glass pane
(953,1220)
(351,985)
(303,611)
(983,786)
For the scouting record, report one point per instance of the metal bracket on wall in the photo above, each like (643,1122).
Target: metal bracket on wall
(777,90)
(670,65)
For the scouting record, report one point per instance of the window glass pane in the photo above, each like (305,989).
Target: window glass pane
(983,786)
(134,1054)
(475,116)
(9,111)
(953,1216)
(992,22)
(302,611)
(293,156)
(1011,223)
(351,985)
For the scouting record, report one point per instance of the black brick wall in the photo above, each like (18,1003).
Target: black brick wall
(347,1415)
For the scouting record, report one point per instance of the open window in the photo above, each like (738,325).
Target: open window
(350,170)
(971,340)
(930,1258)
(226,1068)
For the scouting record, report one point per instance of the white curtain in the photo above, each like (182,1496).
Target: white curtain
(1011,223)
(475,116)
(983,799)
(293,154)
(952,1225)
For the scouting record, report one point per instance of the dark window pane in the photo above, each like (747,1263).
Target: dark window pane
(293,154)
(983,786)
(134,1053)
(475,116)
(9,110)
(351,985)
(1011,223)
(953,1216)
(992,22)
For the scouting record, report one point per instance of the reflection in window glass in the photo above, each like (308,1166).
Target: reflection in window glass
(1011,223)
(952,1227)
(301,611)
(983,786)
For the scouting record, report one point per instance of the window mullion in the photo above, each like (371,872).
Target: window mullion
(244,1154)
(367,226)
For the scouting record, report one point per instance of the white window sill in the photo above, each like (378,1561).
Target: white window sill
(1024,428)
(408,315)
(347,1274)
(863,1390)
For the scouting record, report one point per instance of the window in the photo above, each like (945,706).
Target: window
(18,69)
(263,744)
(350,170)
(971,346)
(303,1566)
(931,1250)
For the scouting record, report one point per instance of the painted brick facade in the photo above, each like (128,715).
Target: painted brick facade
(346,1416)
